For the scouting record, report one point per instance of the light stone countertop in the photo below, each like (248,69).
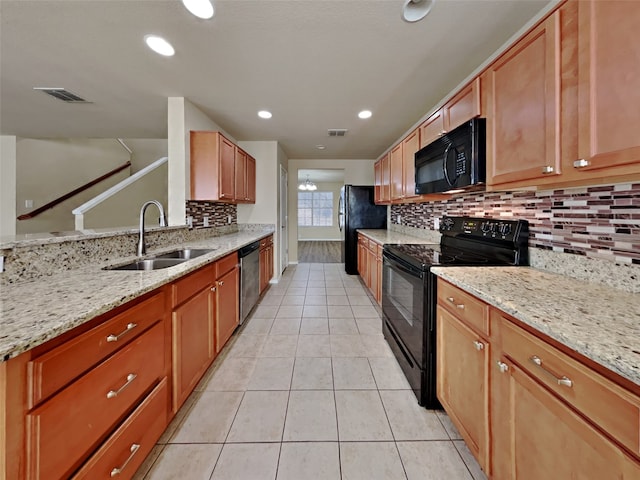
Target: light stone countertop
(36,311)
(388,236)
(599,322)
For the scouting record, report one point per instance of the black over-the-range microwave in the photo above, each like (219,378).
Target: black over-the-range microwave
(455,161)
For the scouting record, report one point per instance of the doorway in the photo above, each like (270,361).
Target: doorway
(319,238)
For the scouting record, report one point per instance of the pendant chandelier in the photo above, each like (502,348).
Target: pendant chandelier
(307,185)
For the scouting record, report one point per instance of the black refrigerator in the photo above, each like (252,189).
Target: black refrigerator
(357,210)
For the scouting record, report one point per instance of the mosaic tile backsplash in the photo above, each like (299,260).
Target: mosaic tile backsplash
(218,213)
(600,222)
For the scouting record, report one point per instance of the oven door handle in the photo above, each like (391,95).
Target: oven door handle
(394,265)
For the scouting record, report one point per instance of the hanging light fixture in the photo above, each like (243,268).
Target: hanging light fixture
(307,185)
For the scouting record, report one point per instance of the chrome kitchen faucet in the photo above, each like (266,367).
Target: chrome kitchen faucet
(142,249)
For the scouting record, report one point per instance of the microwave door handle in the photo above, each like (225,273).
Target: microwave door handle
(444,166)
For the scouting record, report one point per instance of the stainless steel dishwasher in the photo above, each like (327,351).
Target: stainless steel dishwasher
(249,278)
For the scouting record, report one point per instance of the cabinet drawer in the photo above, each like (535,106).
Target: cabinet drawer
(373,246)
(609,406)
(464,306)
(226,263)
(122,454)
(187,287)
(55,369)
(62,431)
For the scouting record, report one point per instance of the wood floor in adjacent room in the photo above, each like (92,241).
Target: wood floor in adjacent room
(319,251)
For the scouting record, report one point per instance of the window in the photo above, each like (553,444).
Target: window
(315,209)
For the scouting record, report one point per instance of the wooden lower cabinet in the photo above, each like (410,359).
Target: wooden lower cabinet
(370,265)
(266,262)
(519,422)
(227,306)
(463,381)
(193,342)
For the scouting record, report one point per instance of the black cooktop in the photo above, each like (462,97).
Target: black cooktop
(468,241)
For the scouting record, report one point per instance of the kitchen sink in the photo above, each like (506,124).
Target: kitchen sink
(186,253)
(149,264)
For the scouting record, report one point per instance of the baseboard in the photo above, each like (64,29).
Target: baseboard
(320,240)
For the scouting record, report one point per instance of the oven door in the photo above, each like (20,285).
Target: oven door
(403,304)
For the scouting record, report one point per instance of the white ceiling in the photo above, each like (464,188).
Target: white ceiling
(313,63)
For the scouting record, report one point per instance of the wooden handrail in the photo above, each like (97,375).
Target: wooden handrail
(61,199)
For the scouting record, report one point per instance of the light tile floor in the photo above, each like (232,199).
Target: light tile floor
(308,389)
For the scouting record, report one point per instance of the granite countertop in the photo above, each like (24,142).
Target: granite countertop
(387,236)
(599,322)
(33,312)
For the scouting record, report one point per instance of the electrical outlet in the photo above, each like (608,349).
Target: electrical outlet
(229,219)
(436,223)
(398,219)
(28,204)
(190,221)
(1,263)
(205,220)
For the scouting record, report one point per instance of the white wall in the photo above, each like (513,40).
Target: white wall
(356,172)
(182,117)
(7,185)
(324,233)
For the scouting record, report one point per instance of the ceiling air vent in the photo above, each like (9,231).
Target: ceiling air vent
(337,132)
(62,94)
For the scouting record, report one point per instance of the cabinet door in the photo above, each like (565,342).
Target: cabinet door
(462,381)
(432,128)
(397,175)
(226,179)
(538,437)
(227,307)
(377,174)
(373,268)
(523,117)
(240,175)
(193,345)
(410,146)
(609,69)
(251,179)
(463,107)
(385,167)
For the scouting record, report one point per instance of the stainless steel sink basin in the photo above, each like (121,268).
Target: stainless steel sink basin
(150,264)
(187,253)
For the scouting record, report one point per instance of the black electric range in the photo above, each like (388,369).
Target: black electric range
(409,288)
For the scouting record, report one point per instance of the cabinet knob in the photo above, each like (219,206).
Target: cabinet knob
(221,283)
(442,132)
(213,289)
(547,169)
(503,367)
(581,163)
(479,345)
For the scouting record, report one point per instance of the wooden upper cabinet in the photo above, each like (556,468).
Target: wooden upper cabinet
(212,167)
(251,179)
(464,106)
(432,128)
(385,166)
(523,114)
(377,183)
(410,145)
(397,174)
(608,94)
(240,175)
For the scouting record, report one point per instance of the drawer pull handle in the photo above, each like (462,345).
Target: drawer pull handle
(114,393)
(479,345)
(115,338)
(547,169)
(581,163)
(458,305)
(118,470)
(559,380)
(503,367)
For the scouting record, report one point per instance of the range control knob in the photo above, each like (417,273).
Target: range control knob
(447,223)
(504,229)
(487,227)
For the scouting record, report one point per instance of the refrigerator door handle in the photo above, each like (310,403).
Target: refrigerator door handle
(341,213)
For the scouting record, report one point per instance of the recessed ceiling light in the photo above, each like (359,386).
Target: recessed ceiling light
(200,8)
(264,114)
(320,147)
(365,114)
(159,45)
(415,10)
